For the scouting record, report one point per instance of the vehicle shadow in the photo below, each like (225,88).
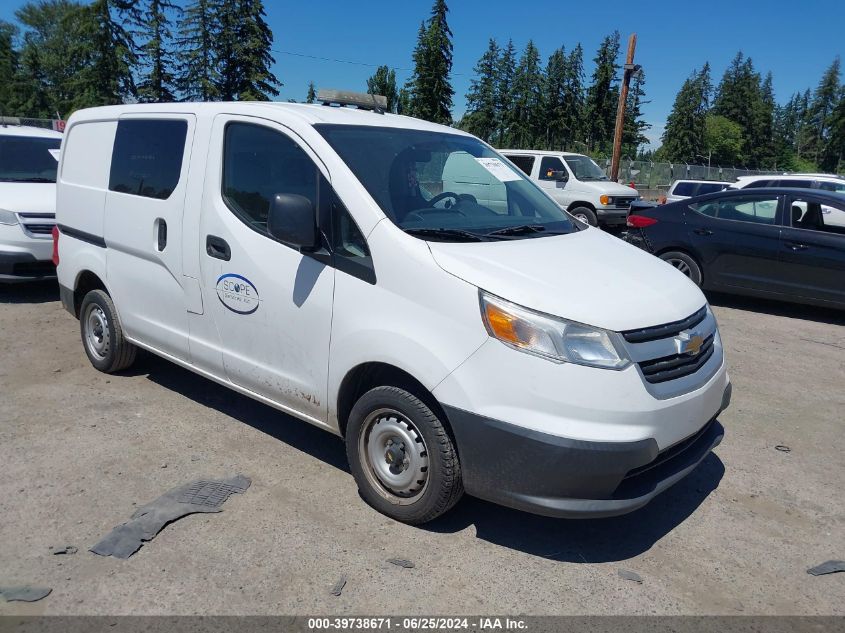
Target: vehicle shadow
(576,541)
(277,424)
(586,540)
(30,292)
(777,308)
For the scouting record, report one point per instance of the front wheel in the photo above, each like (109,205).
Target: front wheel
(402,458)
(685,264)
(586,215)
(102,336)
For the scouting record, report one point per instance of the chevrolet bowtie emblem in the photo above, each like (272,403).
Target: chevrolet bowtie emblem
(690,344)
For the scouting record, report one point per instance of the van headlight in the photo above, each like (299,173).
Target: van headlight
(551,337)
(8,217)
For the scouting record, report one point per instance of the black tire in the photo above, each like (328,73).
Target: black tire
(443,485)
(585,214)
(102,335)
(685,264)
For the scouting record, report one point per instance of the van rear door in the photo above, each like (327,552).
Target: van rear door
(143,227)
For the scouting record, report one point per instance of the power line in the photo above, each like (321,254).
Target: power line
(346,61)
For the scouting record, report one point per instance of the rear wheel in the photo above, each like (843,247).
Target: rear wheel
(102,336)
(401,456)
(586,215)
(685,264)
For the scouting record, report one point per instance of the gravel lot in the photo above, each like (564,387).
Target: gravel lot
(80,449)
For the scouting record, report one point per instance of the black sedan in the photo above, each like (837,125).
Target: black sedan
(777,243)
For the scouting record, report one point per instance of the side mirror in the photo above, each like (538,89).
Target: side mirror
(293,220)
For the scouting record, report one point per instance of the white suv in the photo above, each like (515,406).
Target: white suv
(28,162)
(397,283)
(577,184)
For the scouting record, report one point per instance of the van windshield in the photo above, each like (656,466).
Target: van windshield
(446,187)
(584,168)
(28,159)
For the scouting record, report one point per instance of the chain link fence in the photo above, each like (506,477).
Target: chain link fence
(654,179)
(47,124)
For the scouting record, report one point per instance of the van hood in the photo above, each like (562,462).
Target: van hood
(589,276)
(608,187)
(28,197)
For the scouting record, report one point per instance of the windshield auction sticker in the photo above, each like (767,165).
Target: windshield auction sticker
(496,167)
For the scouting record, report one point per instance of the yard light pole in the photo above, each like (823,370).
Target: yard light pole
(630,68)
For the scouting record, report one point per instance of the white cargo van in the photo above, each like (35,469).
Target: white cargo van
(28,163)
(399,284)
(577,184)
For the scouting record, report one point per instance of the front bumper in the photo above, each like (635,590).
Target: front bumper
(20,266)
(560,477)
(24,258)
(612,216)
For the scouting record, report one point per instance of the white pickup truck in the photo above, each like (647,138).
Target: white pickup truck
(577,184)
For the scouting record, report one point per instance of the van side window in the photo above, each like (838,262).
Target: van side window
(349,248)
(525,163)
(549,165)
(259,163)
(147,157)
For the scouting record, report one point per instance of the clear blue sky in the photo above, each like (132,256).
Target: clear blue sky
(796,40)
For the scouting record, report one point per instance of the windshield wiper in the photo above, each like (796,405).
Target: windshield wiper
(447,234)
(522,229)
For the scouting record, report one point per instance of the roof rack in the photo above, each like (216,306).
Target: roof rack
(361,100)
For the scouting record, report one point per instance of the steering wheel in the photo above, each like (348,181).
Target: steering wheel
(443,196)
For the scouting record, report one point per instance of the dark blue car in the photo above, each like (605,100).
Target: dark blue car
(777,243)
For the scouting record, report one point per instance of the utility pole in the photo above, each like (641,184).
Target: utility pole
(629,69)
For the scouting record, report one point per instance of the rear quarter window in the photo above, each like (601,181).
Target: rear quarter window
(525,163)
(147,157)
(684,189)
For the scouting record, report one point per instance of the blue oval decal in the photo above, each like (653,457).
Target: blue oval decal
(237,293)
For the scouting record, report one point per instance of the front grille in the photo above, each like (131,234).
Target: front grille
(677,365)
(37,223)
(666,330)
(39,229)
(623,203)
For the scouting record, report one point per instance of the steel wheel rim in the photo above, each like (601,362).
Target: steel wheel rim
(681,265)
(97,333)
(394,456)
(583,218)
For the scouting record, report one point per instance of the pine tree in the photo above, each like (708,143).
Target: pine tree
(157,84)
(311,97)
(10,98)
(573,110)
(403,105)
(555,99)
(833,158)
(104,44)
(528,122)
(505,73)
(243,52)
(603,95)
(430,86)
(683,138)
(824,102)
(482,113)
(383,82)
(740,98)
(199,29)
(633,132)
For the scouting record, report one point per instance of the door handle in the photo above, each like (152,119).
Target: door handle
(162,233)
(218,248)
(795,246)
(702,231)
